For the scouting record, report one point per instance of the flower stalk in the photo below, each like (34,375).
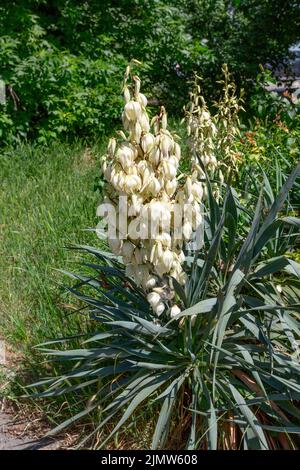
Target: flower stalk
(143,166)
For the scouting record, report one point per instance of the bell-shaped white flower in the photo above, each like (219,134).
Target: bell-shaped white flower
(167,259)
(153,299)
(125,156)
(154,156)
(166,145)
(169,170)
(170,187)
(137,132)
(136,205)
(150,282)
(165,239)
(132,183)
(197,191)
(154,186)
(175,310)
(142,99)
(133,110)
(147,142)
(127,96)
(159,309)
(177,151)
(187,230)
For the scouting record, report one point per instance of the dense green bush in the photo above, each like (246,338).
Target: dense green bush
(62,57)
(269,106)
(246,33)
(53,92)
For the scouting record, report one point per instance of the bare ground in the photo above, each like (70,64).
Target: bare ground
(13,436)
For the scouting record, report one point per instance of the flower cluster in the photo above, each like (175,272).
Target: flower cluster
(143,165)
(201,129)
(227,121)
(202,132)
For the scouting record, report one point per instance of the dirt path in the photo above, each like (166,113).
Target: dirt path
(10,440)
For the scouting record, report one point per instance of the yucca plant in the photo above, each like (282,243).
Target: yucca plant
(229,361)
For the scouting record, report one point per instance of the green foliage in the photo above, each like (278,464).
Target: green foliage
(62,58)
(273,149)
(54,92)
(270,106)
(246,33)
(231,355)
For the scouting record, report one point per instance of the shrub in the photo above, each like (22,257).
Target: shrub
(222,370)
(271,107)
(62,57)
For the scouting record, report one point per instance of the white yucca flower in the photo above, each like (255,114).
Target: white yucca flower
(142,164)
(202,132)
(175,310)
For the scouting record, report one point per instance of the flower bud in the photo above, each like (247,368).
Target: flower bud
(164,121)
(175,310)
(221,177)
(167,259)
(142,99)
(137,132)
(150,283)
(177,151)
(112,146)
(137,85)
(159,309)
(127,96)
(188,186)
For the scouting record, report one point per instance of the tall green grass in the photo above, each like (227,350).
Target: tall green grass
(47,201)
